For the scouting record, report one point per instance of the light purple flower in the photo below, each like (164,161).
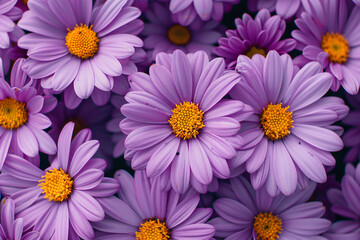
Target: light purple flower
(8,14)
(164,34)
(345,202)
(284,8)
(254,36)
(188,132)
(22,122)
(186,11)
(248,214)
(76,42)
(329,34)
(289,137)
(351,136)
(143,208)
(60,201)
(11,228)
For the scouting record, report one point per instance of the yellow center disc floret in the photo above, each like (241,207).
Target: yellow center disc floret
(179,35)
(187,120)
(336,46)
(13,113)
(153,229)
(254,50)
(82,41)
(57,185)
(276,121)
(267,226)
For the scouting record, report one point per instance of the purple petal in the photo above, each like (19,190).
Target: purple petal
(87,205)
(88,179)
(62,222)
(27,141)
(64,145)
(199,162)
(82,155)
(180,169)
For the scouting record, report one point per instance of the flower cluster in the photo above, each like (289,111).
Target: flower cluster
(179,119)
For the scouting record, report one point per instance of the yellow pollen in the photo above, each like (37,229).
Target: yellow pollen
(254,50)
(13,113)
(276,121)
(336,46)
(267,226)
(56,184)
(153,229)
(187,120)
(179,35)
(82,41)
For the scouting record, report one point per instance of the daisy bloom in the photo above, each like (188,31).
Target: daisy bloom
(289,137)
(247,214)
(8,14)
(22,122)
(345,202)
(329,34)
(284,8)
(187,10)
(254,36)
(164,34)
(60,201)
(73,41)
(351,136)
(188,132)
(11,228)
(145,212)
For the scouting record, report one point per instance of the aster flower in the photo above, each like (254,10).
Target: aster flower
(329,34)
(60,201)
(11,228)
(187,10)
(146,212)
(289,137)
(74,42)
(163,34)
(188,131)
(345,202)
(248,214)
(22,122)
(351,136)
(284,8)
(257,36)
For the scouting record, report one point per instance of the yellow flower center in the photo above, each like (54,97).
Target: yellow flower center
(336,46)
(179,35)
(254,50)
(82,41)
(276,121)
(56,184)
(187,120)
(13,113)
(153,229)
(267,226)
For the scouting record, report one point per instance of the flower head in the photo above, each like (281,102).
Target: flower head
(189,132)
(64,196)
(281,149)
(152,214)
(328,35)
(248,214)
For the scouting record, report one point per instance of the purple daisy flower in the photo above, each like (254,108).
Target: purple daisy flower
(351,136)
(188,132)
(254,36)
(282,149)
(186,11)
(76,42)
(284,8)
(145,212)
(163,34)
(329,34)
(11,228)
(60,201)
(345,202)
(22,122)
(248,214)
